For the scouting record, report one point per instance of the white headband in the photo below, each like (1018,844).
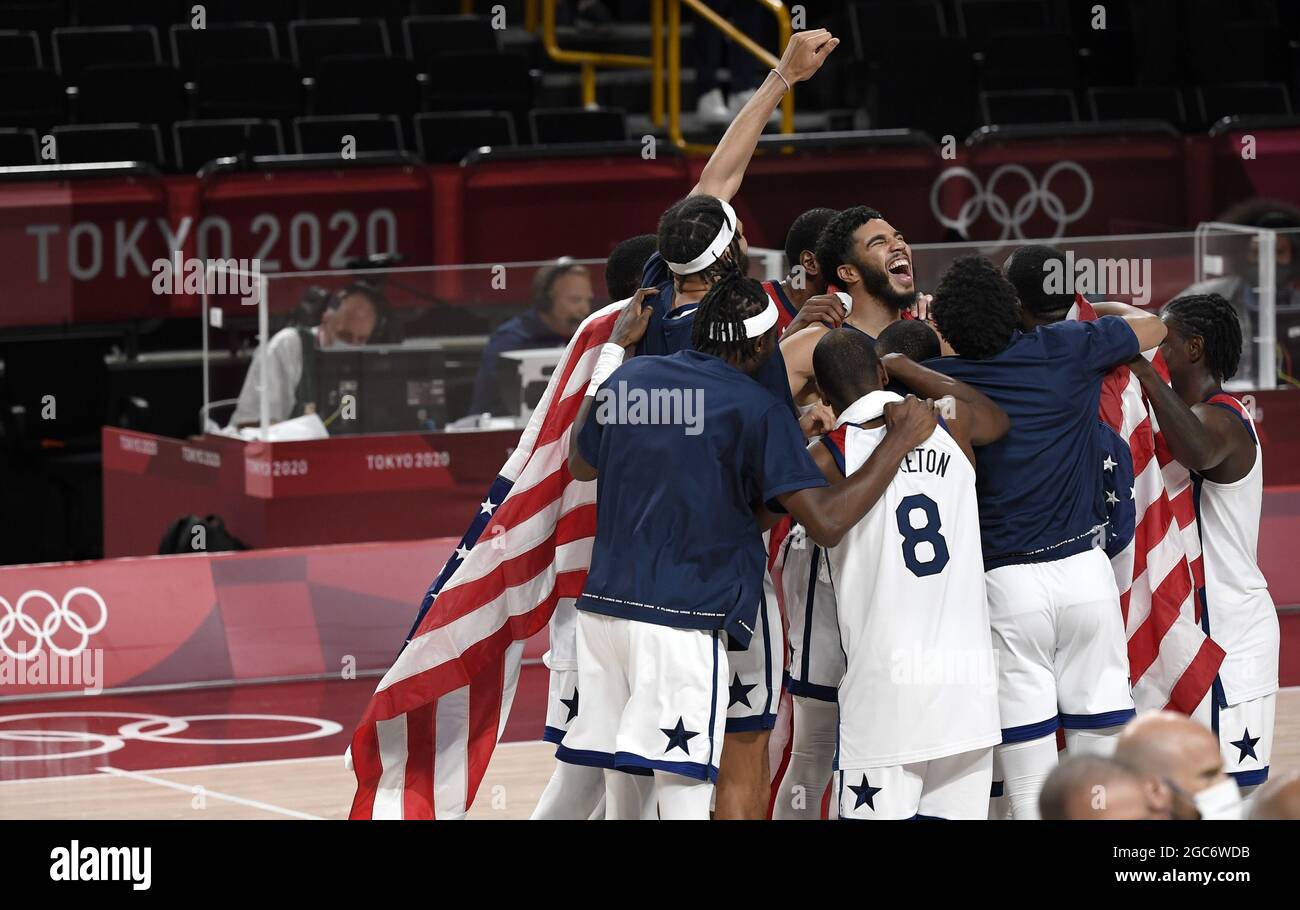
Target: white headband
(755,326)
(713,252)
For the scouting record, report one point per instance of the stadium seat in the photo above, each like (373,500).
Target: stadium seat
(311,41)
(31,97)
(20,49)
(937,98)
(481,81)
(366,85)
(131,94)
(551,126)
(1141,103)
(1033,106)
(1249,51)
(157,13)
(343,9)
(324,135)
(978,20)
(77,48)
(1019,60)
(904,18)
(449,137)
(425,36)
(83,144)
(199,141)
(222,42)
(249,88)
(35,15)
(18,147)
(1242,99)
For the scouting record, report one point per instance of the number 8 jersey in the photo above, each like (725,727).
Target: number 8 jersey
(921,682)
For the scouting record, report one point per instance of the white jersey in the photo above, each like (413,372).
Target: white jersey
(1241,617)
(920,682)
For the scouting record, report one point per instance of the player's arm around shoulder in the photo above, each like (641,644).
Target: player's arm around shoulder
(1148,328)
(797,352)
(827,513)
(979,418)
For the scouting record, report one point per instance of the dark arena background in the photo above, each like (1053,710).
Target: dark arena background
(404,207)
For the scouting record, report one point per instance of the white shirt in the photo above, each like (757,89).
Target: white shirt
(921,681)
(284,354)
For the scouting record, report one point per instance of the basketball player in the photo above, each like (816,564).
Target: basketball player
(817,658)
(1053,602)
(1212,434)
(701,238)
(805,279)
(663,584)
(918,702)
(915,339)
(867,258)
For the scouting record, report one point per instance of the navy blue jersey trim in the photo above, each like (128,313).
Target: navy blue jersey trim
(835,452)
(751,724)
(639,764)
(1251,778)
(552,735)
(805,689)
(783,300)
(1097,721)
(1025,732)
(1244,422)
(996,790)
(808,611)
(713,698)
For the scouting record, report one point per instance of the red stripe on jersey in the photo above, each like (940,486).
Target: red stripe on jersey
(785,310)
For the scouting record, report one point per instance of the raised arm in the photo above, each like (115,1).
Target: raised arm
(1148,328)
(827,513)
(985,421)
(628,329)
(725,170)
(1201,437)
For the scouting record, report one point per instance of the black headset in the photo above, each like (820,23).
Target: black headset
(544,283)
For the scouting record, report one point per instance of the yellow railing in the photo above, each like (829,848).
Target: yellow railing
(587,61)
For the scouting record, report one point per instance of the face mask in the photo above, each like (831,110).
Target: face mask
(1219,802)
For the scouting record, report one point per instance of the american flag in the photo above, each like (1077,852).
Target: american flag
(427,735)
(1172,662)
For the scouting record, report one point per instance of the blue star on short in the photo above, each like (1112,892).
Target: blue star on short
(678,737)
(571,704)
(865,793)
(1247,746)
(739,692)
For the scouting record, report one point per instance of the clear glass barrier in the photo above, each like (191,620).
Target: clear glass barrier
(417,364)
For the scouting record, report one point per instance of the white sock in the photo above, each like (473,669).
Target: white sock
(812,751)
(682,798)
(572,793)
(1025,767)
(629,796)
(1092,742)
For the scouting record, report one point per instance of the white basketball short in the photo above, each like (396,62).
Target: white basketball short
(816,654)
(1245,733)
(1062,653)
(952,787)
(561,704)
(652,698)
(754,679)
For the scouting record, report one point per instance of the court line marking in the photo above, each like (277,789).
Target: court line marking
(215,794)
(234,764)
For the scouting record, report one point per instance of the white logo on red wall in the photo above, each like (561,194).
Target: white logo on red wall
(23,624)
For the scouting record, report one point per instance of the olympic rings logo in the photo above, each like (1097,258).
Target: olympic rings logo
(42,633)
(151,728)
(1011,218)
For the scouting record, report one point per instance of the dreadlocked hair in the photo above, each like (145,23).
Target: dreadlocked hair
(719,327)
(688,227)
(1214,320)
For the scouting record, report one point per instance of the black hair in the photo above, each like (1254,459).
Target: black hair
(835,245)
(975,308)
(1026,269)
(545,280)
(912,338)
(846,366)
(626,265)
(687,229)
(364,289)
(719,327)
(804,232)
(1214,320)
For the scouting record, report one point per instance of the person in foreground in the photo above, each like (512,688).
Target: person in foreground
(663,585)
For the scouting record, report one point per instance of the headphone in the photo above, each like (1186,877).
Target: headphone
(544,282)
(364,289)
